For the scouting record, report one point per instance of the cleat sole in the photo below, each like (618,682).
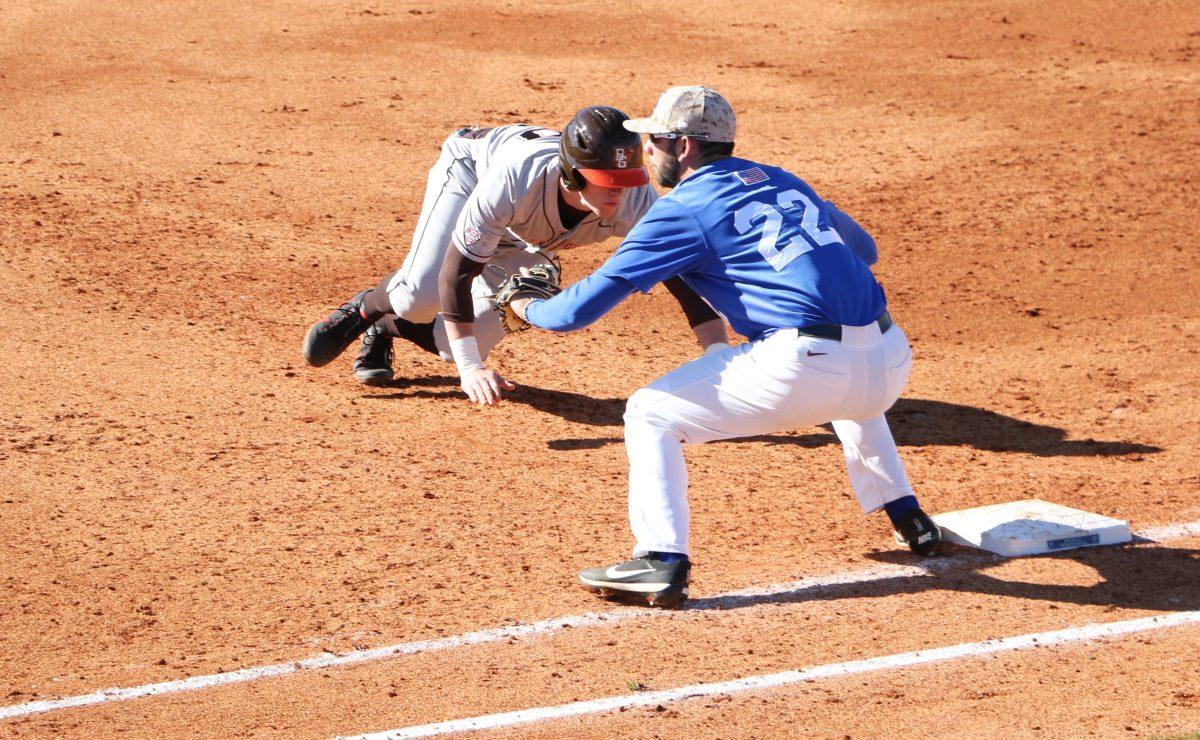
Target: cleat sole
(374,377)
(669,598)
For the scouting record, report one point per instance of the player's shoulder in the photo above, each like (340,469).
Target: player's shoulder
(735,171)
(670,218)
(518,142)
(734,179)
(521,132)
(525,161)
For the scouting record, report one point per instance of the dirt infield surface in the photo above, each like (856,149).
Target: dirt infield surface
(185,187)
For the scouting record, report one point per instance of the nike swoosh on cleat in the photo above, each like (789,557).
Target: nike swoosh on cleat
(612,572)
(816,354)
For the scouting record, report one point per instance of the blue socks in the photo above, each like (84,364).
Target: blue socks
(899,509)
(670,557)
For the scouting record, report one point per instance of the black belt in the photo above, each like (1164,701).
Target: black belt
(834,331)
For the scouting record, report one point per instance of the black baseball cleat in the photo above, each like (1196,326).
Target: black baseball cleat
(641,581)
(920,533)
(330,336)
(373,366)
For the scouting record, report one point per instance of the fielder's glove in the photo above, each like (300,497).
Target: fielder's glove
(539,281)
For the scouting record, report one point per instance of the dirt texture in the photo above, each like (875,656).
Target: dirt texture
(185,188)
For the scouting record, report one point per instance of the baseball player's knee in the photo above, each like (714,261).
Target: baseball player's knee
(643,407)
(422,314)
(413,304)
(636,405)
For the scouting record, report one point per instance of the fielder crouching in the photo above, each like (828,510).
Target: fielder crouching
(790,273)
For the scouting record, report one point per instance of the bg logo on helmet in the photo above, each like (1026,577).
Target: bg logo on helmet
(622,160)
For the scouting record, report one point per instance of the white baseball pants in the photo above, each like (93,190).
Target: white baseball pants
(413,290)
(785,381)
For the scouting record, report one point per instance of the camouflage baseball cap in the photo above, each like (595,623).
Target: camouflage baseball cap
(695,111)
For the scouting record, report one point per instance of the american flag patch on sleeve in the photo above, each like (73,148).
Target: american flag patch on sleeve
(751,176)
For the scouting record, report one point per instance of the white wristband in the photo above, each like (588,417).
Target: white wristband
(715,347)
(466,354)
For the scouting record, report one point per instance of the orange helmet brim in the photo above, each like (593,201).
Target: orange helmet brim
(629,178)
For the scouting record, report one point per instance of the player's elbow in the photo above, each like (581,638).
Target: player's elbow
(865,249)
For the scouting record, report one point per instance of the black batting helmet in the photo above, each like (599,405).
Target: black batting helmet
(595,147)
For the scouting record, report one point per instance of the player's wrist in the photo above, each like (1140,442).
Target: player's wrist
(465,351)
(520,307)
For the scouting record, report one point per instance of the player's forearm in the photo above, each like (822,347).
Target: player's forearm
(711,333)
(458,310)
(463,346)
(580,305)
(454,286)
(459,330)
(695,308)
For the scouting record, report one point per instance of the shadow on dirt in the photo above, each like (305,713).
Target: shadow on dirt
(915,422)
(1129,577)
(416,388)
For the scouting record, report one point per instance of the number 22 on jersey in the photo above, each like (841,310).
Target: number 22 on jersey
(773,218)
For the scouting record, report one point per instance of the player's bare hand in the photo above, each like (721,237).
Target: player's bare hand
(518,305)
(485,387)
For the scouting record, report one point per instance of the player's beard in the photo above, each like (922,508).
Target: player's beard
(666,173)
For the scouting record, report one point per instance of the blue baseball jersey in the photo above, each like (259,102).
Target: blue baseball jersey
(758,244)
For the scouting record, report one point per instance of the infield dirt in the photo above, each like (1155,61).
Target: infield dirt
(184,189)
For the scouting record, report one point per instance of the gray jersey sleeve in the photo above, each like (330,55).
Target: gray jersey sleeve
(488,212)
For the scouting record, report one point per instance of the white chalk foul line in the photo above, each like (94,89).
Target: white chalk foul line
(500,634)
(832,670)
(490,635)
(328,660)
(1169,531)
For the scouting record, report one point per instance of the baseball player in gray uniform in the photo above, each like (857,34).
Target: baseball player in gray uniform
(497,200)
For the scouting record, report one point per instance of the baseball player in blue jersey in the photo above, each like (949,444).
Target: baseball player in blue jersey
(787,270)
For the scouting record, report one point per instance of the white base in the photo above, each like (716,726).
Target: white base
(1030,527)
